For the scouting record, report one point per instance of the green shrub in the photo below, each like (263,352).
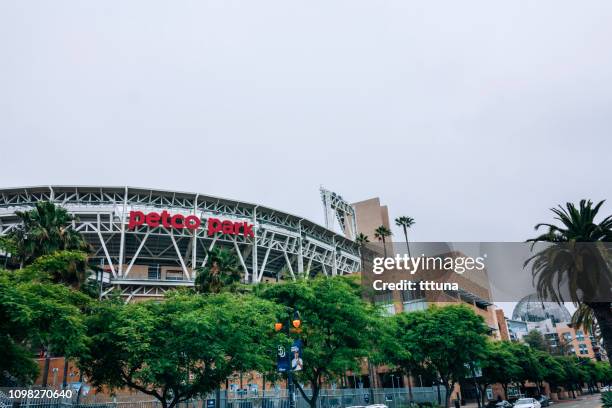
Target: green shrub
(606,399)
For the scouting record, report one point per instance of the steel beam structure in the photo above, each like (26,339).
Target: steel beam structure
(337,209)
(284,245)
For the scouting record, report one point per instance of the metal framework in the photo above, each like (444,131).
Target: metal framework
(336,208)
(284,246)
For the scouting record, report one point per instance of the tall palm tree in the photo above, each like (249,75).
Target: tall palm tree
(221,272)
(586,268)
(362,240)
(381,233)
(44,230)
(405,223)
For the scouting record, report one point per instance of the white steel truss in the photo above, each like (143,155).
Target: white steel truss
(337,209)
(284,246)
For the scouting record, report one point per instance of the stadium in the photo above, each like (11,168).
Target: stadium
(148,241)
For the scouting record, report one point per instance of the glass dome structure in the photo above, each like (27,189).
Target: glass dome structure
(531,309)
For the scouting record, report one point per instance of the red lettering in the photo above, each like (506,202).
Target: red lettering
(137,218)
(247,230)
(153,219)
(214,225)
(164,217)
(192,222)
(175,221)
(228,227)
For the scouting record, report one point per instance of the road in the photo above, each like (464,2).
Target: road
(585,401)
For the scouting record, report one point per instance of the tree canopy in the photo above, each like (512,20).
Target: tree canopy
(221,272)
(37,314)
(44,230)
(449,339)
(180,348)
(338,327)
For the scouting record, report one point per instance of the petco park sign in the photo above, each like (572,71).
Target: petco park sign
(192,222)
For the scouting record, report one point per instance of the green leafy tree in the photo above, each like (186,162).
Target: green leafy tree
(574,375)
(499,365)
(392,348)
(35,314)
(45,229)
(552,370)
(382,233)
(585,267)
(535,340)
(406,223)
(221,272)
(530,369)
(606,373)
(448,339)
(338,327)
(180,348)
(69,268)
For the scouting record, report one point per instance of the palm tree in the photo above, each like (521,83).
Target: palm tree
(221,272)
(362,240)
(586,268)
(381,233)
(44,230)
(405,223)
(583,317)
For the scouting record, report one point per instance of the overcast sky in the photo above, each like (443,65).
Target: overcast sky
(473,117)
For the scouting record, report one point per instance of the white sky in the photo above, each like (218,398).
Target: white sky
(473,117)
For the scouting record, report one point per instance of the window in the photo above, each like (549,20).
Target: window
(383,297)
(409,295)
(583,348)
(174,275)
(567,336)
(579,335)
(153,272)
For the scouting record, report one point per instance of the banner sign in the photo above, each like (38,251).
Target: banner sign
(289,358)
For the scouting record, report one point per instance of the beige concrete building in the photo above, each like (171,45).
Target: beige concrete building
(370,215)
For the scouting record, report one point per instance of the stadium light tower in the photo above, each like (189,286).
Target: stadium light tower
(336,208)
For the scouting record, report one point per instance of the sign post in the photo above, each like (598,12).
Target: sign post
(289,359)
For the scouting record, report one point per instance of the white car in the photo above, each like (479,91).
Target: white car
(527,403)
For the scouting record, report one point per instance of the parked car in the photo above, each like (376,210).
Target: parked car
(543,400)
(499,404)
(527,403)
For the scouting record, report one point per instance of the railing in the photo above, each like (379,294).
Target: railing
(328,398)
